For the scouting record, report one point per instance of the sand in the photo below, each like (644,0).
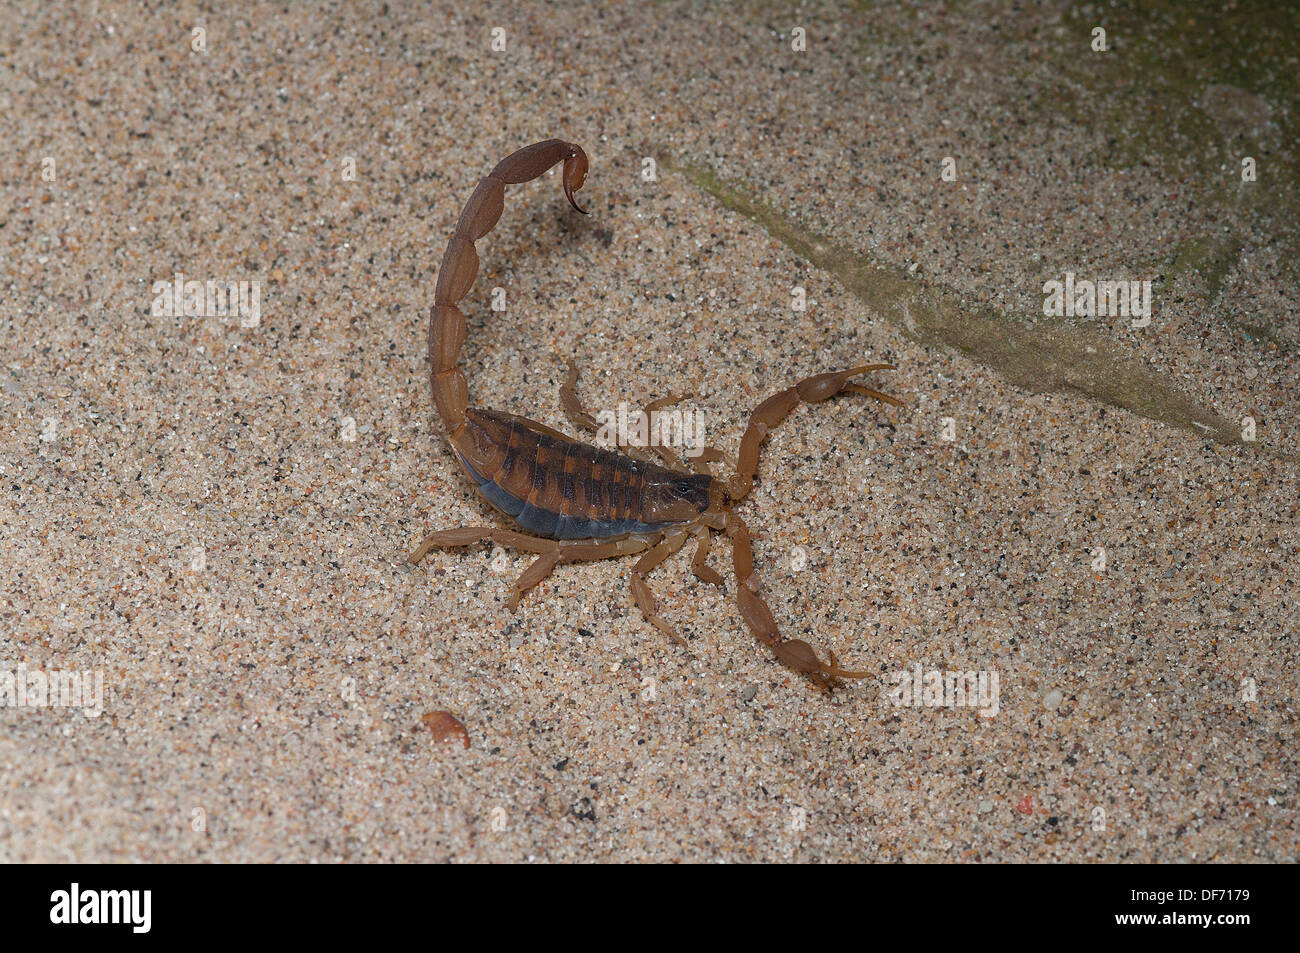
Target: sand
(212,515)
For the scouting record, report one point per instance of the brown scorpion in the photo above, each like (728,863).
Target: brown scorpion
(573,502)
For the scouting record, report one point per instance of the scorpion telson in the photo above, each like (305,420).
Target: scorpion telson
(573,502)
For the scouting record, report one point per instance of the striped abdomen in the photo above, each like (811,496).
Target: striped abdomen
(561,489)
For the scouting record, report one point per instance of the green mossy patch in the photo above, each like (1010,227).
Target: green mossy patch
(1050,355)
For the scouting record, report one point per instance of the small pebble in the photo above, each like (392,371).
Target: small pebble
(1052,700)
(446,727)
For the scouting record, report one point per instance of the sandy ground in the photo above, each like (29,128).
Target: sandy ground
(212,518)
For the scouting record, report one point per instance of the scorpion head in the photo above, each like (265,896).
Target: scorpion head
(678,498)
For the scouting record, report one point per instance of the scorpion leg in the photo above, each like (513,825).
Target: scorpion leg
(771,412)
(537,570)
(699,566)
(667,456)
(572,405)
(571,551)
(469,535)
(580,415)
(574,550)
(697,462)
(550,552)
(795,653)
(645,599)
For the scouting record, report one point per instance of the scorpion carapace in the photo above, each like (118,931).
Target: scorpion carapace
(573,502)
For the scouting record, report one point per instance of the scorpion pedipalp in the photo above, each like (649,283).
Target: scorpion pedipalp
(801,657)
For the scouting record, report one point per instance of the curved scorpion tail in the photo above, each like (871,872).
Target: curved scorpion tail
(460,263)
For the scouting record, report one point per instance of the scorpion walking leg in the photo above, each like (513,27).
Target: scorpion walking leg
(796,653)
(665,454)
(537,570)
(550,552)
(469,535)
(574,550)
(705,454)
(771,412)
(645,599)
(699,565)
(572,405)
(571,551)
(698,461)
(579,415)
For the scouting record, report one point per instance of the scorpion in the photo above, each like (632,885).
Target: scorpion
(574,502)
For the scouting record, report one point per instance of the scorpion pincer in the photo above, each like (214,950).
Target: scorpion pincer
(573,502)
